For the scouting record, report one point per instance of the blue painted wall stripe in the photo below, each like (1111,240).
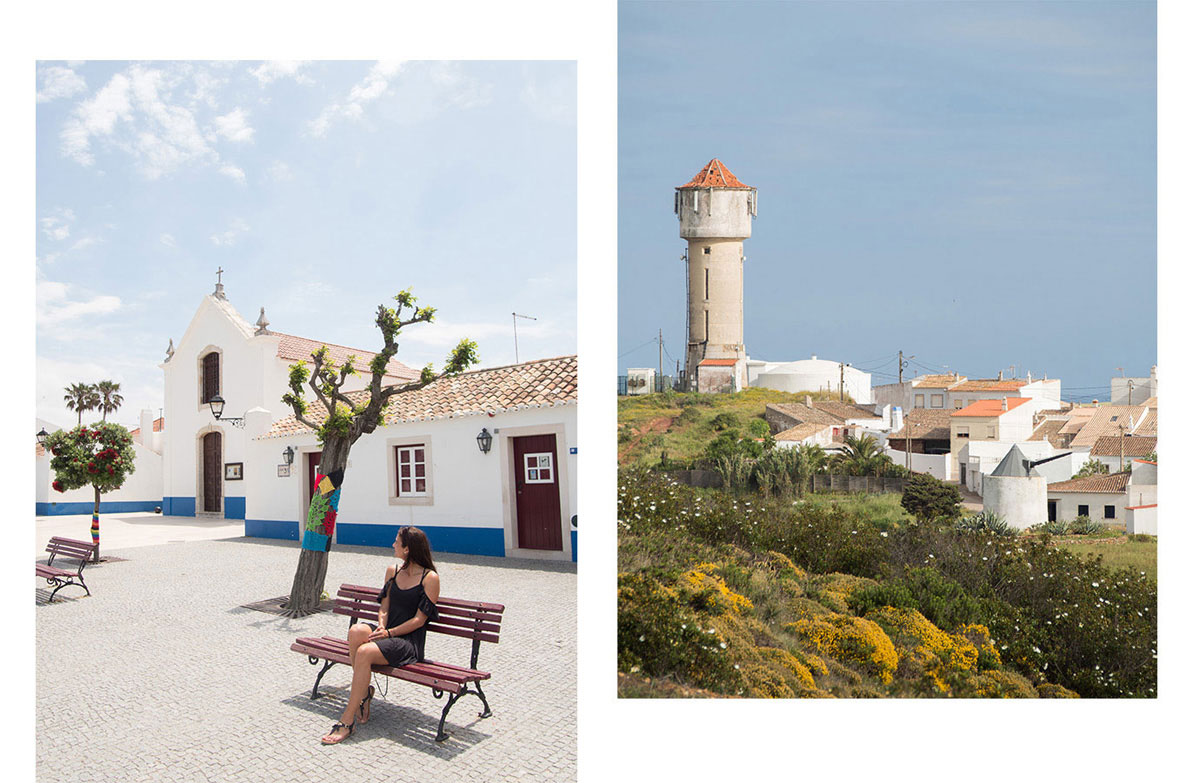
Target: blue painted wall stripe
(179,507)
(460,540)
(269,528)
(52,509)
(574,546)
(235,508)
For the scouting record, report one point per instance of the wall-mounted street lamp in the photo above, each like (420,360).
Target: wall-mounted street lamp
(484,439)
(289,455)
(217,406)
(41,436)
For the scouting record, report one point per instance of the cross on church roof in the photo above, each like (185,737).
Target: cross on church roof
(220,290)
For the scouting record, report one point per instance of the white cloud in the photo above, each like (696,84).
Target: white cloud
(277,69)
(280,171)
(85,243)
(58,82)
(55,307)
(96,117)
(550,93)
(168,240)
(370,89)
(234,173)
(237,227)
(233,126)
(57,226)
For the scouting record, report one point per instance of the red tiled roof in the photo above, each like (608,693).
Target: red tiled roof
(157,427)
(1133,445)
(538,384)
(924,424)
(1115,482)
(718,362)
(1050,430)
(990,407)
(715,175)
(936,381)
(1135,508)
(802,431)
(990,385)
(846,410)
(295,348)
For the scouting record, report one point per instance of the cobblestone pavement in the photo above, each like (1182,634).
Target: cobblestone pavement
(159,675)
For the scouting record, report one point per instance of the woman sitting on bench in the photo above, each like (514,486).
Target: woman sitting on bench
(407,601)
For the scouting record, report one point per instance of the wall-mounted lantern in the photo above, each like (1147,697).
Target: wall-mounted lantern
(484,439)
(41,436)
(289,455)
(217,406)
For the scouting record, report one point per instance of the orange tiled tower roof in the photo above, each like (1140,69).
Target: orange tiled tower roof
(715,175)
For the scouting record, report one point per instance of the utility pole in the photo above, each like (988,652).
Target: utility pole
(900,364)
(842,382)
(660,356)
(516,353)
(1131,392)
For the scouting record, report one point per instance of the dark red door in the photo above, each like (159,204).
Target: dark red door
(212,471)
(539,516)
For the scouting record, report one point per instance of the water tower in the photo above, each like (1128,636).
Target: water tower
(715,210)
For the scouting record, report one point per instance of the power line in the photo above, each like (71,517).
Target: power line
(643,345)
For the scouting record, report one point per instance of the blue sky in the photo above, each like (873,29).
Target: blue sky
(971,183)
(321,188)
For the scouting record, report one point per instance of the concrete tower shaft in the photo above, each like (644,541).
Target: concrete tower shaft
(715,212)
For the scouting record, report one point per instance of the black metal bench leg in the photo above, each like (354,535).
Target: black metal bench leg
(328,665)
(441,732)
(487,711)
(61,585)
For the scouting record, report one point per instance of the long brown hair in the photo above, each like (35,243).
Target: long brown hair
(418,547)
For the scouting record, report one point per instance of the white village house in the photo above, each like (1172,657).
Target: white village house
(483,462)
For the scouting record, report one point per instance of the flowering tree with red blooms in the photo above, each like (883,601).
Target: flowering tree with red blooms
(100,455)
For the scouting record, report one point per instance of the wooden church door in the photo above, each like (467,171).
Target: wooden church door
(211,450)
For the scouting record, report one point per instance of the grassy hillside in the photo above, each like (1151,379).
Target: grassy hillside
(683,424)
(732,595)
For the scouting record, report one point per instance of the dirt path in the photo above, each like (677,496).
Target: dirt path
(656,425)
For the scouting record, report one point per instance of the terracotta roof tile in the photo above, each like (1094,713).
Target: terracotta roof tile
(158,425)
(1051,431)
(1107,421)
(990,386)
(1115,483)
(538,384)
(1135,446)
(293,348)
(925,424)
(802,431)
(937,381)
(1149,427)
(990,407)
(802,414)
(715,175)
(846,410)
(718,362)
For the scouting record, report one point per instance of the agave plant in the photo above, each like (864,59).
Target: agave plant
(1084,525)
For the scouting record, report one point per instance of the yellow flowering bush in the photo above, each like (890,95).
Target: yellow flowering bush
(1048,690)
(922,665)
(1002,685)
(955,650)
(981,637)
(705,590)
(833,590)
(850,639)
(782,566)
(788,663)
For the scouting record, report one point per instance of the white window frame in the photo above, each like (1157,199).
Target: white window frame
(541,470)
(937,401)
(918,400)
(411,498)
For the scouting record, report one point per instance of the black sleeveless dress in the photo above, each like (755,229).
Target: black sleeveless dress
(402,607)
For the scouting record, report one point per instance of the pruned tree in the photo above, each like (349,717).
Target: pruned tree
(100,455)
(339,422)
(1093,467)
(81,397)
(927,498)
(108,398)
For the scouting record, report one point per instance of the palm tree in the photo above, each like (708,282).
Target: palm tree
(863,456)
(109,398)
(81,397)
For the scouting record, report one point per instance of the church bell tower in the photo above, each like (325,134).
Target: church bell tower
(715,210)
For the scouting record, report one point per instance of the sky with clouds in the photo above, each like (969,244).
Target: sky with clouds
(971,183)
(320,188)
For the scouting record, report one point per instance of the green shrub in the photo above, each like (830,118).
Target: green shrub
(725,421)
(690,415)
(928,498)
(986,520)
(1084,525)
(759,428)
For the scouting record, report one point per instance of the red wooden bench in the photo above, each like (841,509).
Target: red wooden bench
(69,548)
(479,622)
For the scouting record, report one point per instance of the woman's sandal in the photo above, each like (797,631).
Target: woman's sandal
(339,725)
(364,708)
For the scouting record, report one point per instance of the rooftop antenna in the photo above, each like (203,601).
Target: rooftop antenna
(515,316)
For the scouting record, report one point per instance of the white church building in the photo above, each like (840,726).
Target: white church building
(484,463)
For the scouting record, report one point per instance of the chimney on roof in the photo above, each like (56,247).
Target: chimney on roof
(808,400)
(1000,375)
(1029,377)
(1004,404)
